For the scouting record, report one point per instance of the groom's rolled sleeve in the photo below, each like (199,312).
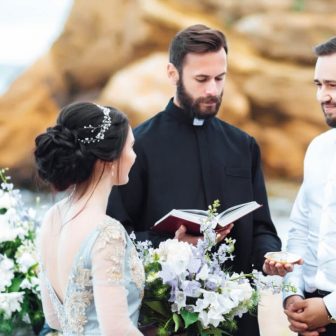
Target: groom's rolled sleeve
(297,243)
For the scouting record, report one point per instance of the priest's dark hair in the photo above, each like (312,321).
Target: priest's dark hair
(326,48)
(66,153)
(197,39)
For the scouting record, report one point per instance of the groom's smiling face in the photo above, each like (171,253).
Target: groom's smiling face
(325,80)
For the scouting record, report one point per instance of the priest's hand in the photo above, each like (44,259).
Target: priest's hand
(181,234)
(272,267)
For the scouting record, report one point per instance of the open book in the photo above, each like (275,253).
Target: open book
(192,219)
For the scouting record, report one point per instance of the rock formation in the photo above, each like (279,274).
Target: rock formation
(115,52)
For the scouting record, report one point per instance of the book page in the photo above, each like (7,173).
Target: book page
(229,210)
(232,214)
(195,212)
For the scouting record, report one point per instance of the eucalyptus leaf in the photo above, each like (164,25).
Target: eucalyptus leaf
(177,320)
(189,318)
(158,307)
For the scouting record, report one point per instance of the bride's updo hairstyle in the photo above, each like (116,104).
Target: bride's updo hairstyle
(84,132)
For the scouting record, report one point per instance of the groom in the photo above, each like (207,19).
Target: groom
(311,310)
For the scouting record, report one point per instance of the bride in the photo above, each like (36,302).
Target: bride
(91,278)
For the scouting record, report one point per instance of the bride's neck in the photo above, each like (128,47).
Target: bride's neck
(95,195)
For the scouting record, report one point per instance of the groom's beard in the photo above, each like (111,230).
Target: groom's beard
(194,106)
(330,117)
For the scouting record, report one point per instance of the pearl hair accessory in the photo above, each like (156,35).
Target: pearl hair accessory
(105,125)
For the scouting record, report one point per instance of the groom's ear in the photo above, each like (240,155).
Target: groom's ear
(172,73)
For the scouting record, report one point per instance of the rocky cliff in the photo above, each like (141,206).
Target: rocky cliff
(115,53)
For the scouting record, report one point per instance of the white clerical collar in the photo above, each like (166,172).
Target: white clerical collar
(198,122)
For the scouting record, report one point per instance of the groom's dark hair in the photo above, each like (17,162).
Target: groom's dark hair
(326,48)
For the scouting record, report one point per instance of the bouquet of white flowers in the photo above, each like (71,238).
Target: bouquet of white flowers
(20,303)
(188,290)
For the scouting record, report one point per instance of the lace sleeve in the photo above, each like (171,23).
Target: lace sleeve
(110,294)
(48,308)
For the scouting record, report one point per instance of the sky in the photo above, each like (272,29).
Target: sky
(28,28)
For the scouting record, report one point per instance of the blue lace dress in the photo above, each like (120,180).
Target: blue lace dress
(104,289)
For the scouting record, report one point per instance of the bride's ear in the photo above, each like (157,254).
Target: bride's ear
(110,167)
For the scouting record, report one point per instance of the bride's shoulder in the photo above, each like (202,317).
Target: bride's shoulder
(111,224)
(108,220)
(110,230)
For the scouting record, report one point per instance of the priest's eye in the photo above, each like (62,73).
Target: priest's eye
(201,80)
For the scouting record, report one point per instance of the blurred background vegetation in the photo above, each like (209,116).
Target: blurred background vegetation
(115,53)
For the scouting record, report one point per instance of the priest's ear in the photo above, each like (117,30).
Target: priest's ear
(173,73)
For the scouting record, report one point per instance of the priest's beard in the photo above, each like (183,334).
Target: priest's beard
(329,117)
(193,106)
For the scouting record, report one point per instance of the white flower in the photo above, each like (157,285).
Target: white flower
(215,279)
(239,290)
(17,225)
(26,284)
(204,273)
(10,302)
(200,305)
(6,271)
(7,231)
(6,200)
(213,309)
(215,316)
(25,261)
(175,254)
(7,186)
(180,300)
(225,303)
(204,318)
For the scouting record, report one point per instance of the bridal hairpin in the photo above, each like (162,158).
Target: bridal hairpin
(105,125)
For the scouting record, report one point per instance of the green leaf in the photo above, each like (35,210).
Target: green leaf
(177,320)
(158,307)
(6,327)
(16,283)
(189,318)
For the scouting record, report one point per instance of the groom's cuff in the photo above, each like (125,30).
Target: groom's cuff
(330,303)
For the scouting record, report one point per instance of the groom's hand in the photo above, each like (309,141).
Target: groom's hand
(312,312)
(301,315)
(295,324)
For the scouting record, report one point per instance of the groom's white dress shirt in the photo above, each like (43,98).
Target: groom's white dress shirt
(313,222)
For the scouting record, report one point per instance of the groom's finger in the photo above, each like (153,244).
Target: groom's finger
(298,326)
